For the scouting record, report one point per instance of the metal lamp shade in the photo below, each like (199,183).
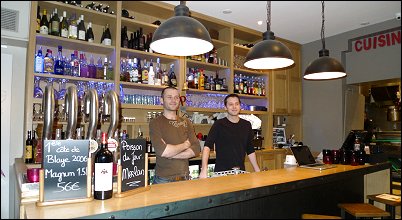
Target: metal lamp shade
(181,36)
(269,54)
(324,68)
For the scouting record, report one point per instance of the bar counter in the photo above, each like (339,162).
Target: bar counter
(282,193)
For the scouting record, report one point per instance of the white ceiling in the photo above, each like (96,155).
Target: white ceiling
(299,21)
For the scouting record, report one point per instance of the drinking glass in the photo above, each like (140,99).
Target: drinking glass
(62,88)
(38,92)
(81,90)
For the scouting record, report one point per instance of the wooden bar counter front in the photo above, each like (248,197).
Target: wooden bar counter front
(283,193)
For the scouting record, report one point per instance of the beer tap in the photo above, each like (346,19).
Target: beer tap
(71,104)
(48,110)
(91,107)
(111,108)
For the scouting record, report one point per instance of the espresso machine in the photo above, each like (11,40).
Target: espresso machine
(258,139)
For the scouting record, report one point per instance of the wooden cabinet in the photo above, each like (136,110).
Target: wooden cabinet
(267,160)
(228,40)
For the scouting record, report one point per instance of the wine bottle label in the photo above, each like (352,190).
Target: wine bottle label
(55,26)
(28,152)
(107,42)
(64,32)
(38,65)
(44,30)
(81,35)
(103,176)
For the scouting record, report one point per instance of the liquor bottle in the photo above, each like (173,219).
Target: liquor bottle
(64,26)
(106,9)
(109,71)
(139,68)
(48,62)
(131,41)
(149,145)
(55,24)
(144,72)
(39,61)
(59,63)
(75,64)
(151,74)
(29,149)
(165,76)
(103,177)
(44,23)
(107,39)
(81,29)
(201,80)
(92,68)
(90,6)
(134,71)
(141,41)
(158,74)
(83,66)
(38,18)
(172,76)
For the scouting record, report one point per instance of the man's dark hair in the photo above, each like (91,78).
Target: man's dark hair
(229,96)
(169,87)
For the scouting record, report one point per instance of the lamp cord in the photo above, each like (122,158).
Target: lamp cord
(182,2)
(323,26)
(268,16)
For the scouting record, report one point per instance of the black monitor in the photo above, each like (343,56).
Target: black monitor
(363,135)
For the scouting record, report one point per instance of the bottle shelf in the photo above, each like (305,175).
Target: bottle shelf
(71,78)
(206,66)
(219,44)
(213,110)
(142,86)
(247,71)
(251,96)
(241,50)
(71,44)
(207,91)
(90,15)
(124,52)
(134,25)
(103,123)
(145,107)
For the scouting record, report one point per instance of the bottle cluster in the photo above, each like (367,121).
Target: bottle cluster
(71,27)
(141,71)
(196,78)
(138,40)
(77,65)
(250,85)
(210,57)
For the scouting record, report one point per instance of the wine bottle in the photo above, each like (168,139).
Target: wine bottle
(172,77)
(90,34)
(107,40)
(103,179)
(55,24)
(64,26)
(81,29)
(124,37)
(29,149)
(38,18)
(44,23)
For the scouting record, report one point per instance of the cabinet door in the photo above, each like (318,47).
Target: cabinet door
(267,161)
(295,89)
(279,92)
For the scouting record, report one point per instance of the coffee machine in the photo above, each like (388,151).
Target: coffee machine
(257,140)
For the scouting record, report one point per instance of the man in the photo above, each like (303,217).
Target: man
(174,140)
(232,138)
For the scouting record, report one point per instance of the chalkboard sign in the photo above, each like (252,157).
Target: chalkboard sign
(278,136)
(65,165)
(132,159)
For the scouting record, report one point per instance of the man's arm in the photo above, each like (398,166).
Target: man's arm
(204,164)
(186,154)
(253,160)
(172,150)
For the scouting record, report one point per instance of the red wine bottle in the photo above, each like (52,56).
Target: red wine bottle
(29,149)
(103,177)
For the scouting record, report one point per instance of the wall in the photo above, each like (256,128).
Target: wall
(12,135)
(323,101)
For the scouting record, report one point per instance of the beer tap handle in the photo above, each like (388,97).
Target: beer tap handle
(71,110)
(48,103)
(91,107)
(111,108)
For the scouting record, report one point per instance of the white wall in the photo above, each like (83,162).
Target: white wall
(13,73)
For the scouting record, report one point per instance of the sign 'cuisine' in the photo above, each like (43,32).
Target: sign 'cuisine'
(378,41)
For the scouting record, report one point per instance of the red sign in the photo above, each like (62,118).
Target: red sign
(377,41)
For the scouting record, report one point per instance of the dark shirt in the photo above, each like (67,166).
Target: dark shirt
(232,142)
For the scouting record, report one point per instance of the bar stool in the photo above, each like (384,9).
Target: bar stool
(389,204)
(362,210)
(315,216)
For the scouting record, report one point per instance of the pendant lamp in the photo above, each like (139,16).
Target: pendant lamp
(325,67)
(269,53)
(181,35)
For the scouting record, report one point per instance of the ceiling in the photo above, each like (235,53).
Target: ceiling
(300,21)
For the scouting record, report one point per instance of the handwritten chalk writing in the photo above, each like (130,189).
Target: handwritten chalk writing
(127,173)
(82,171)
(67,186)
(62,149)
(125,157)
(53,144)
(80,158)
(135,157)
(59,175)
(125,146)
(75,149)
(55,159)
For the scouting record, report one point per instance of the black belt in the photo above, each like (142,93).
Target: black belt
(178,178)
